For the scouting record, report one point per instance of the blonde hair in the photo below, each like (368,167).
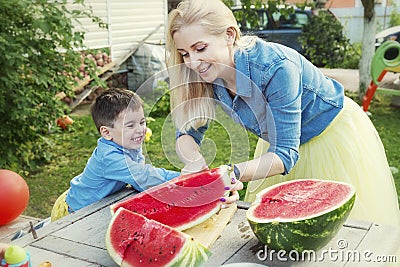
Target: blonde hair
(192,99)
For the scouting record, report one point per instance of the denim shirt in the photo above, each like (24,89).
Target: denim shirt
(109,169)
(281,97)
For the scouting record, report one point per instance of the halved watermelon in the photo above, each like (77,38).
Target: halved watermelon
(183,202)
(301,214)
(134,240)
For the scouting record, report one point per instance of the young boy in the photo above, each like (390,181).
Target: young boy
(117,160)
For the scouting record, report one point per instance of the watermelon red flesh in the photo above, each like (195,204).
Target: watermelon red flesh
(300,215)
(133,240)
(182,202)
(301,199)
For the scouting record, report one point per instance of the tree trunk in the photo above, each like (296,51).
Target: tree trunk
(368,46)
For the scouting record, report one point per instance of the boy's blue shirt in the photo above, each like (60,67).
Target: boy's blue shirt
(109,169)
(281,97)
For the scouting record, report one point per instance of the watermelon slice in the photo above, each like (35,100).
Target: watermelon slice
(134,240)
(183,202)
(301,214)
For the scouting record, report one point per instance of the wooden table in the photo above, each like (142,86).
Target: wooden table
(8,231)
(78,240)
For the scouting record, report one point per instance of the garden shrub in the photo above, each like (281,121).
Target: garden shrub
(158,105)
(394,16)
(39,58)
(325,43)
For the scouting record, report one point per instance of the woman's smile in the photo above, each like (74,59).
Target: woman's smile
(204,69)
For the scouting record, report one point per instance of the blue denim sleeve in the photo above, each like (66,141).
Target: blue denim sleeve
(196,134)
(284,113)
(141,176)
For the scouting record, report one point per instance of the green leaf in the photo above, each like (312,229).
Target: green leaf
(32,34)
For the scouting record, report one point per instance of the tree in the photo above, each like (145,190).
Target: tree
(39,58)
(368,45)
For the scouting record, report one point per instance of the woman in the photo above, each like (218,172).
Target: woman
(307,127)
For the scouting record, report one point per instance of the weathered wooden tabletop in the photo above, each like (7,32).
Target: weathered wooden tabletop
(8,231)
(78,240)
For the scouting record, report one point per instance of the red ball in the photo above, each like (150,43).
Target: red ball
(14,196)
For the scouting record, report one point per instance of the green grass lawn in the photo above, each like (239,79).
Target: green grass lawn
(73,147)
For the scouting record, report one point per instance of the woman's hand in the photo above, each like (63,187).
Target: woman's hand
(234,194)
(189,153)
(195,166)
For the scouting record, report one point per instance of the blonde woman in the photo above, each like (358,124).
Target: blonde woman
(307,127)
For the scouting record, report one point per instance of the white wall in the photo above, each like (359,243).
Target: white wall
(352,19)
(130,21)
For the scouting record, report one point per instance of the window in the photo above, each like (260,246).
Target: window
(292,21)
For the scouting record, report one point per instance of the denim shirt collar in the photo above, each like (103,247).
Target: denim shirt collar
(243,79)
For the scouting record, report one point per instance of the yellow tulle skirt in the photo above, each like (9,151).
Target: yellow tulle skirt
(60,207)
(348,150)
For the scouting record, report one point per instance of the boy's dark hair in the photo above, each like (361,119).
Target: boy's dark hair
(110,103)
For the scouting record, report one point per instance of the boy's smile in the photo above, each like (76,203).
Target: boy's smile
(129,129)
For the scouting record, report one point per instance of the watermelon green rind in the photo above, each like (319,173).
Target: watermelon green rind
(310,233)
(191,255)
(111,245)
(133,240)
(183,202)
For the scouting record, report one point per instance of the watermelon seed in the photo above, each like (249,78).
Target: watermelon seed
(271,200)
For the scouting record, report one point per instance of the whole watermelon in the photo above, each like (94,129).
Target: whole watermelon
(301,214)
